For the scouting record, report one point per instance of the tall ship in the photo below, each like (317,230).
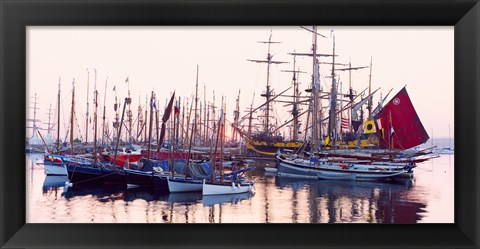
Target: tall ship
(267,141)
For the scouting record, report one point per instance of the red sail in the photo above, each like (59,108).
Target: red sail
(398,125)
(166,115)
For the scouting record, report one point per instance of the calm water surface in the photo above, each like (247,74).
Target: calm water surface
(428,198)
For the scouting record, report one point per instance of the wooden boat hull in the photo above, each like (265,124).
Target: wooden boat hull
(114,176)
(146,179)
(182,185)
(226,188)
(270,148)
(122,158)
(287,168)
(55,170)
(84,175)
(139,178)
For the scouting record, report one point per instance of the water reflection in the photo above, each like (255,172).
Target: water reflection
(275,200)
(211,200)
(355,201)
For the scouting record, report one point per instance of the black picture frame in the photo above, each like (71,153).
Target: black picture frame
(16,15)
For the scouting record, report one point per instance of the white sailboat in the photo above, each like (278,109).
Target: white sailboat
(224,187)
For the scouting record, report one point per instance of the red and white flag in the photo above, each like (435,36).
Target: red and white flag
(344,123)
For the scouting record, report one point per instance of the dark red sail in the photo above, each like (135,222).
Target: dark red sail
(398,125)
(166,115)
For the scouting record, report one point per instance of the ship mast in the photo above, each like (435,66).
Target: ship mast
(58,116)
(95,102)
(296,99)
(333,102)
(316,105)
(194,128)
(236,115)
(104,101)
(129,101)
(86,119)
(49,127)
(250,117)
(369,107)
(73,115)
(268,92)
(34,120)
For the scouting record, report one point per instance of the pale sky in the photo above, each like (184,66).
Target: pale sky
(164,59)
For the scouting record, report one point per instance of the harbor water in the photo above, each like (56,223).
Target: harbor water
(427,198)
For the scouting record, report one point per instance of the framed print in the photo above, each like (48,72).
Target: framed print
(41,38)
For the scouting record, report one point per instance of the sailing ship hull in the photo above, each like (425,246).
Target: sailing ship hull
(122,158)
(55,170)
(79,174)
(333,172)
(114,176)
(146,179)
(182,185)
(160,183)
(139,178)
(225,188)
(265,148)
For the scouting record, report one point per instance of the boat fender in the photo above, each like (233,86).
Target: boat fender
(233,185)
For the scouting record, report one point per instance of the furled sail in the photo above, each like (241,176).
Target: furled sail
(398,125)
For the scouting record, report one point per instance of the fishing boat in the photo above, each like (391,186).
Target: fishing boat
(122,157)
(327,170)
(226,187)
(229,183)
(53,165)
(182,184)
(148,176)
(398,129)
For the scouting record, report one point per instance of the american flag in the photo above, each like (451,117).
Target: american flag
(344,123)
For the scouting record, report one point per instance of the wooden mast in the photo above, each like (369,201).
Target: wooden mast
(296,99)
(194,127)
(236,116)
(72,118)
(146,117)
(152,99)
(316,106)
(250,118)
(86,119)
(95,116)
(120,132)
(58,116)
(315,90)
(268,92)
(333,102)
(369,107)
(177,121)
(172,139)
(104,101)
(130,140)
(205,116)
(222,137)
